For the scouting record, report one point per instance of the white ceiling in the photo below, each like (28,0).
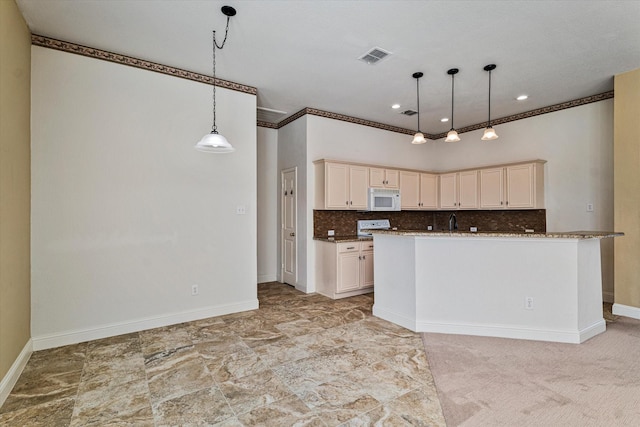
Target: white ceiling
(304,53)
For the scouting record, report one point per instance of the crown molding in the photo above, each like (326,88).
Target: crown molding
(520,116)
(104,55)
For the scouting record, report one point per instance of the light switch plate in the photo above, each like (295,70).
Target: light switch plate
(589,207)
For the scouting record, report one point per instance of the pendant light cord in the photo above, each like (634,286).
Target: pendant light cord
(214,127)
(489,118)
(452,83)
(418,96)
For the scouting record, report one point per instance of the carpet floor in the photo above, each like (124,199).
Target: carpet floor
(502,382)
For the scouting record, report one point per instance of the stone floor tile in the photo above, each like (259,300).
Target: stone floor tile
(247,393)
(51,413)
(202,407)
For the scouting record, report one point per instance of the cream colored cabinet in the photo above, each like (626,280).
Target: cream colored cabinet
(513,187)
(418,190)
(341,186)
(459,190)
(344,269)
(384,178)
(523,186)
(492,188)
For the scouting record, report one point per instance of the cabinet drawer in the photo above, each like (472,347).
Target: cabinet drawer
(348,247)
(367,246)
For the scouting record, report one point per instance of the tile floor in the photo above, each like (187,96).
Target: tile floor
(302,360)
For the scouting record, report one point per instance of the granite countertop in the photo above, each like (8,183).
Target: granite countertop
(341,239)
(459,233)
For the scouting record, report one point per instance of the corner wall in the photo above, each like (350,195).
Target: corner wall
(126,215)
(268,222)
(627,191)
(15,194)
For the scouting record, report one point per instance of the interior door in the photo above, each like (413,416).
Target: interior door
(289,194)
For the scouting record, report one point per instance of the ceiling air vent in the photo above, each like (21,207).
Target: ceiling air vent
(409,112)
(374,56)
(270,116)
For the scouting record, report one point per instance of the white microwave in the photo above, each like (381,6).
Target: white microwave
(383,199)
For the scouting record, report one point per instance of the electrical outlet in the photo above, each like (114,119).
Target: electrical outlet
(473,229)
(429,227)
(331,233)
(241,210)
(528,303)
(194,290)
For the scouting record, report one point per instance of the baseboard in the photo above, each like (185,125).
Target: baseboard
(397,318)
(265,278)
(626,310)
(574,337)
(11,378)
(73,337)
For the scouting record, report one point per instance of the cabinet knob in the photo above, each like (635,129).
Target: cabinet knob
(285,193)
(360,258)
(501,202)
(346,203)
(292,234)
(351,202)
(507,203)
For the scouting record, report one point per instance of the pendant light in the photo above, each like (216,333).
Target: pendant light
(214,142)
(489,133)
(418,138)
(452,136)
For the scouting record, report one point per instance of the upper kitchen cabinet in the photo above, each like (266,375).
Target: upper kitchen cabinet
(419,190)
(341,185)
(384,178)
(459,190)
(517,186)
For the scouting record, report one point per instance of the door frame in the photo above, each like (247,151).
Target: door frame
(282,225)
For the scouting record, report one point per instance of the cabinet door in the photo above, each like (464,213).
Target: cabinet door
(358,186)
(376,177)
(520,190)
(367,269)
(448,191)
(428,191)
(492,188)
(336,186)
(409,190)
(468,190)
(392,178)
(348,271)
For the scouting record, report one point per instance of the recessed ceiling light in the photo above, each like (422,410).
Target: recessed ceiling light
(444,119)
(522,97)
(395,106)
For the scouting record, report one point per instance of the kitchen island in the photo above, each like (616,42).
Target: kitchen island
(544,286)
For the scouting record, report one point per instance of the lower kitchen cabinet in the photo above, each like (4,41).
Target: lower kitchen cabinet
(344,269)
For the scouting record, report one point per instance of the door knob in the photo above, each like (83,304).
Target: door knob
(292,234)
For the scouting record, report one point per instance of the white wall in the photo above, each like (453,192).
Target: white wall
(126,215)
(292,153)
(577,144)
(268,223)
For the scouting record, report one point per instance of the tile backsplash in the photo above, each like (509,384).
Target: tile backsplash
(344,222)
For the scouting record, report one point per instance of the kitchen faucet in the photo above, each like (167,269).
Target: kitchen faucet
(453,222)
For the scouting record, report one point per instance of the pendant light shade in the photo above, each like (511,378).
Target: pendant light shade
(489,133)
(452,136)
(213,142)
(418,138)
